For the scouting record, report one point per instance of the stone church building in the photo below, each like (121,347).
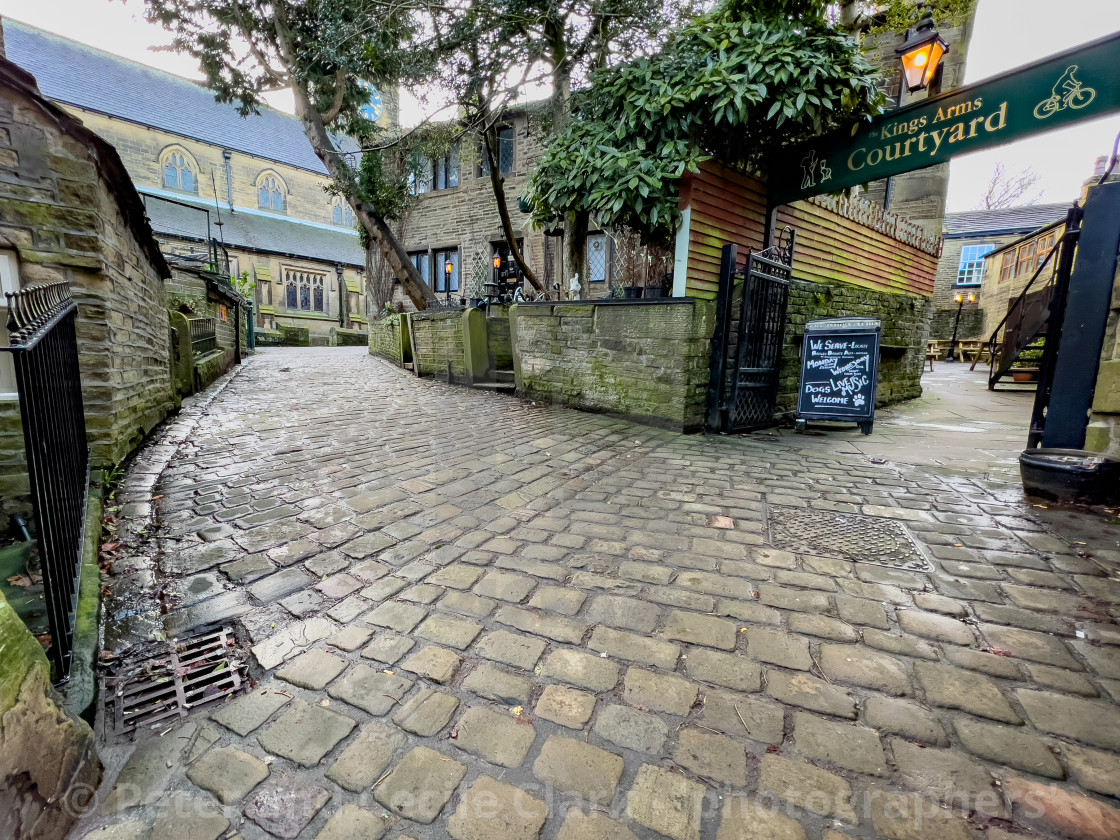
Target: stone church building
(206,174)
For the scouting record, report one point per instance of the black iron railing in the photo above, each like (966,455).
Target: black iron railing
(204,335)
(45,351)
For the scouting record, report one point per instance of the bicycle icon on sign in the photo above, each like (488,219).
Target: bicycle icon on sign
(1068,92)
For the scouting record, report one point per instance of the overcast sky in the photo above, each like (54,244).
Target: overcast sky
(1008,33)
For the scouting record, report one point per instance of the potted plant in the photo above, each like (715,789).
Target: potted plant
(659,286)
(1025,368)
(659,273)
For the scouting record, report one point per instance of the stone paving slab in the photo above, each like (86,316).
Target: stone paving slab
(452,629)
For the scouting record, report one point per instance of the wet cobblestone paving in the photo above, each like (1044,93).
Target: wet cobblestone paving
(474,618)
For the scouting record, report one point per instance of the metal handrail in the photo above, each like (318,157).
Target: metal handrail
(44,350)
(204,335)
(1018,301)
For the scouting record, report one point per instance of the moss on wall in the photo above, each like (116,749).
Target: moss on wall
(437,345)
(48,762)
(385,338)
(647,361)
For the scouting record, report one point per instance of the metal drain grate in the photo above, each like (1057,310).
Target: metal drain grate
(853,536)
(147,696)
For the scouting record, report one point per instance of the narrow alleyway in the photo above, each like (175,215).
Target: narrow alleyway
(474,617)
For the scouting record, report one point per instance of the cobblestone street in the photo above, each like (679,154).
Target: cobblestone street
(477,618)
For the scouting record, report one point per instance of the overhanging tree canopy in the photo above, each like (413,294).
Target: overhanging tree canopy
(735,84)
(326,52)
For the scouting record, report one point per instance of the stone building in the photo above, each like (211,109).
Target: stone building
(69,212)
(196,163)
(455,218)
(917,196)
(969,238)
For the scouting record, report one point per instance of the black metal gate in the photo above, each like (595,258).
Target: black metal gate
(45,351)
(750,329)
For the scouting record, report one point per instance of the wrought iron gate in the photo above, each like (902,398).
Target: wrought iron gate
(750,328)
(45,351)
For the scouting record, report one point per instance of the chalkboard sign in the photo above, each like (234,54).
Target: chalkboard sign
(840,371)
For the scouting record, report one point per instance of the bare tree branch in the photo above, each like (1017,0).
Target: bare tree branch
(1006,190)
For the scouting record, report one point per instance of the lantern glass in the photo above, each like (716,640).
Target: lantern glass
(959,299)
(497,261)
(448,267)
(921,55)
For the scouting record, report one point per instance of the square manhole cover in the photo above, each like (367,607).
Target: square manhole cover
(852,536)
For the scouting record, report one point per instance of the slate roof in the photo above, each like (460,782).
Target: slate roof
(270,234)
(89,78)
(1009,220)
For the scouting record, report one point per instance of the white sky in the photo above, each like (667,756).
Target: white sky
(1008,33)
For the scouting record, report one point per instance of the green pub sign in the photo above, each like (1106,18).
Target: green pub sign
(1081,84)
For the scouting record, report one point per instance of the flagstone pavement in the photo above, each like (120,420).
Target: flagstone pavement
(475,617)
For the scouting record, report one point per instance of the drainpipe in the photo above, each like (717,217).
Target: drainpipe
(227,155)
(341,295)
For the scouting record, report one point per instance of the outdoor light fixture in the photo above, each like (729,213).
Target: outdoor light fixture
(921,54)
(448,267)
(497,261)
(959,299)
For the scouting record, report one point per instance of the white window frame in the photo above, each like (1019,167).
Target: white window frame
(970,269)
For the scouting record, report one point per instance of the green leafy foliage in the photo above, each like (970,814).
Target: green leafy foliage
(735,84)
(900,15)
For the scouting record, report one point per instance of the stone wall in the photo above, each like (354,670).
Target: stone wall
(66,221)
(499,342)
(437,345)
(14,488)
(918,196)
(1103,434)
(905,332)
(647,361)
(48,761)
(971,325)
(386,337)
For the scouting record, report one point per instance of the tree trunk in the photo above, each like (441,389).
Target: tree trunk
(490,141)
(414,286)
(575,246)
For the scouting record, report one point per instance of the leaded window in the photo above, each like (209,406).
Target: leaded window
(305,290)
(178,172)
(341,214)
(270,192)
(447,281)
(423,262)
(505,154)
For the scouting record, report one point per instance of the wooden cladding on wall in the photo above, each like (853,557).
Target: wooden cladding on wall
(728,207)
(831,249)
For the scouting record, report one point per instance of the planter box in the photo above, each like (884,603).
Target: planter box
(1024,374)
